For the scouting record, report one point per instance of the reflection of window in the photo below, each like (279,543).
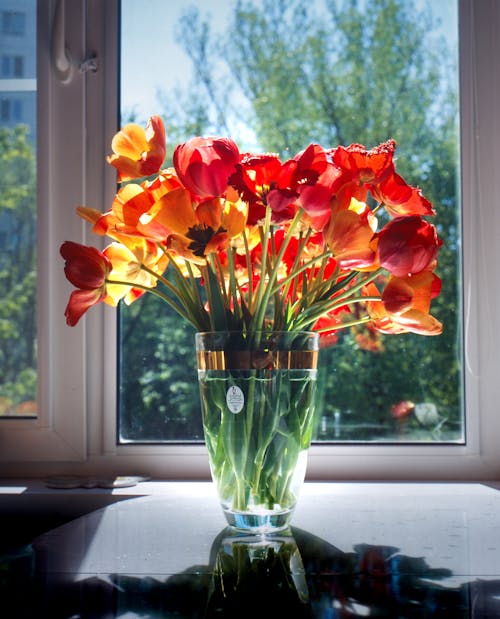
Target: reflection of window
(12,66)
(13,22)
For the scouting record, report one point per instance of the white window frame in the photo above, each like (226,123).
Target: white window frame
(76,121)
(76,429)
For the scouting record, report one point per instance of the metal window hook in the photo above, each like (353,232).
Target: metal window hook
(63,63)
(89,65)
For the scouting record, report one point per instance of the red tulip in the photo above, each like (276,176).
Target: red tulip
(408,245)
(263,181)
(365,166)
(204,165)
(399,198)
(87,269)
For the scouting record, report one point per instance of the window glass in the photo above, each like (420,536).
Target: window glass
(18,343)
(14,22)
(361,71)
(12,66)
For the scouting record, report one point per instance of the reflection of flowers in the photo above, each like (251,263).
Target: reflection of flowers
(402,409)
(331,238)
(375,581)
(423,414)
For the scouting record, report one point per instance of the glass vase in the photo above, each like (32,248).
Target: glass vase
(258,409)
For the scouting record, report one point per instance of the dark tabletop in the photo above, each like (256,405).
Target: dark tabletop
(353,550)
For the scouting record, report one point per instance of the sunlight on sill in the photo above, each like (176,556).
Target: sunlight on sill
(13,489)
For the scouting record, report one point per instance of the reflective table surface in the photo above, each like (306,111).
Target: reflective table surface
(399,550)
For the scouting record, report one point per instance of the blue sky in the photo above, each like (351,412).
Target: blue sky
(152,58)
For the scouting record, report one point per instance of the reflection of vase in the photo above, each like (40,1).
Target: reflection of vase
(258,577)
(258,401)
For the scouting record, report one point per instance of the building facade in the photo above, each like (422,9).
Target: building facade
(18,64)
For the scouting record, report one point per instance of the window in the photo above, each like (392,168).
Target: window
(58,431)
(12,66)
(18,357)
(11,111)
(5,110)
(394,89)
(76,422)
(13,23)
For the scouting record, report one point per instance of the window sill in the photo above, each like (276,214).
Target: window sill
(30,508)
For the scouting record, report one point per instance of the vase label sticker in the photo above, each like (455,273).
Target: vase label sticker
(235,399)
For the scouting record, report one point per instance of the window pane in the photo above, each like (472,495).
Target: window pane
(18,356)
(346,75)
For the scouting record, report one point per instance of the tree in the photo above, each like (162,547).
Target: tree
(17,273)
(346,73)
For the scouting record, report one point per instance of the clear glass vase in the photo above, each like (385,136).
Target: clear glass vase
(258,407)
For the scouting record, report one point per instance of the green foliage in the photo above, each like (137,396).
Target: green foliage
(17,269)
(159,396)
(346,74)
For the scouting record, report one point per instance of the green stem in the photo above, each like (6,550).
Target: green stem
(311,315)
(216,299)
(233,285)
(260,306)
(265,296)
(164,297)
(195,290)
(248,260)
(185,291)
(346,324)
(298,270)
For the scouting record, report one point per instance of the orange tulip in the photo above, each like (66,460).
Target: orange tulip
(139,152)
(405,304)
(349,236)
(199,230)
(136,211)
(127,267)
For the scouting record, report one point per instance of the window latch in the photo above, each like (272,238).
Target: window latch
(62,61)
(89,65)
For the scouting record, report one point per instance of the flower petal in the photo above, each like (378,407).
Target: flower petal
(79,302)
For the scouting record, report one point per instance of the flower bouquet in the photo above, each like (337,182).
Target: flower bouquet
(273,255)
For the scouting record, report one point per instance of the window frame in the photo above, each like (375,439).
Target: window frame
(76,429)
(76,121)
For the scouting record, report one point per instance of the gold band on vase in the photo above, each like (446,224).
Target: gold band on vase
(257,360)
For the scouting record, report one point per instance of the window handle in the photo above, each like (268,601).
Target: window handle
(62,62)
